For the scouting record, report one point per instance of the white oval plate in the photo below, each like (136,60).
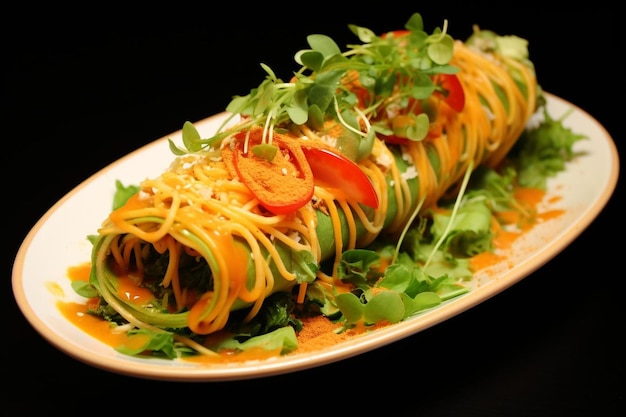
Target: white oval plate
(59,240)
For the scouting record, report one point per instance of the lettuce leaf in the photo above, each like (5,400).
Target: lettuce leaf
(542,151)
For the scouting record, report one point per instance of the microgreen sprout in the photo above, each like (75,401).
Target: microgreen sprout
(389,70)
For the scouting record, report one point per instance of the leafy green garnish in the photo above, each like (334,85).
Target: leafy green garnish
(154,344)
(469,231)
(542,152)
(84,289)
(123,193)
(283,340)
(318,91)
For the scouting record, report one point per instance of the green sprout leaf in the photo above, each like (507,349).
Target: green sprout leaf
(384,306)
(316,93)
(123,193)
(350,306)
(148,341)
(265,151)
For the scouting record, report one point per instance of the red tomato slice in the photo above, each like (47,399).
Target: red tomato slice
(282,185)
(334,170)
(454,94)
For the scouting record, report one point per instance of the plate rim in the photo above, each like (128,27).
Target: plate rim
(297,362)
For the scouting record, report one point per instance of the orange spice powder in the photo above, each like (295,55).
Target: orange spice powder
(317,333)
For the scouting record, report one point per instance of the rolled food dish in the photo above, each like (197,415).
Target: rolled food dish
(270,202)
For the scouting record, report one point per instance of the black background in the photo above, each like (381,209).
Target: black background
(83,88)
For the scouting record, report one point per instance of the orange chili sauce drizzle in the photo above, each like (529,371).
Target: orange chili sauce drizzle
(529,198)
(318,332)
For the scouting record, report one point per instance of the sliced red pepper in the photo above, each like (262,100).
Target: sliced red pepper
(333,170)
(453,94)
(282,185)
